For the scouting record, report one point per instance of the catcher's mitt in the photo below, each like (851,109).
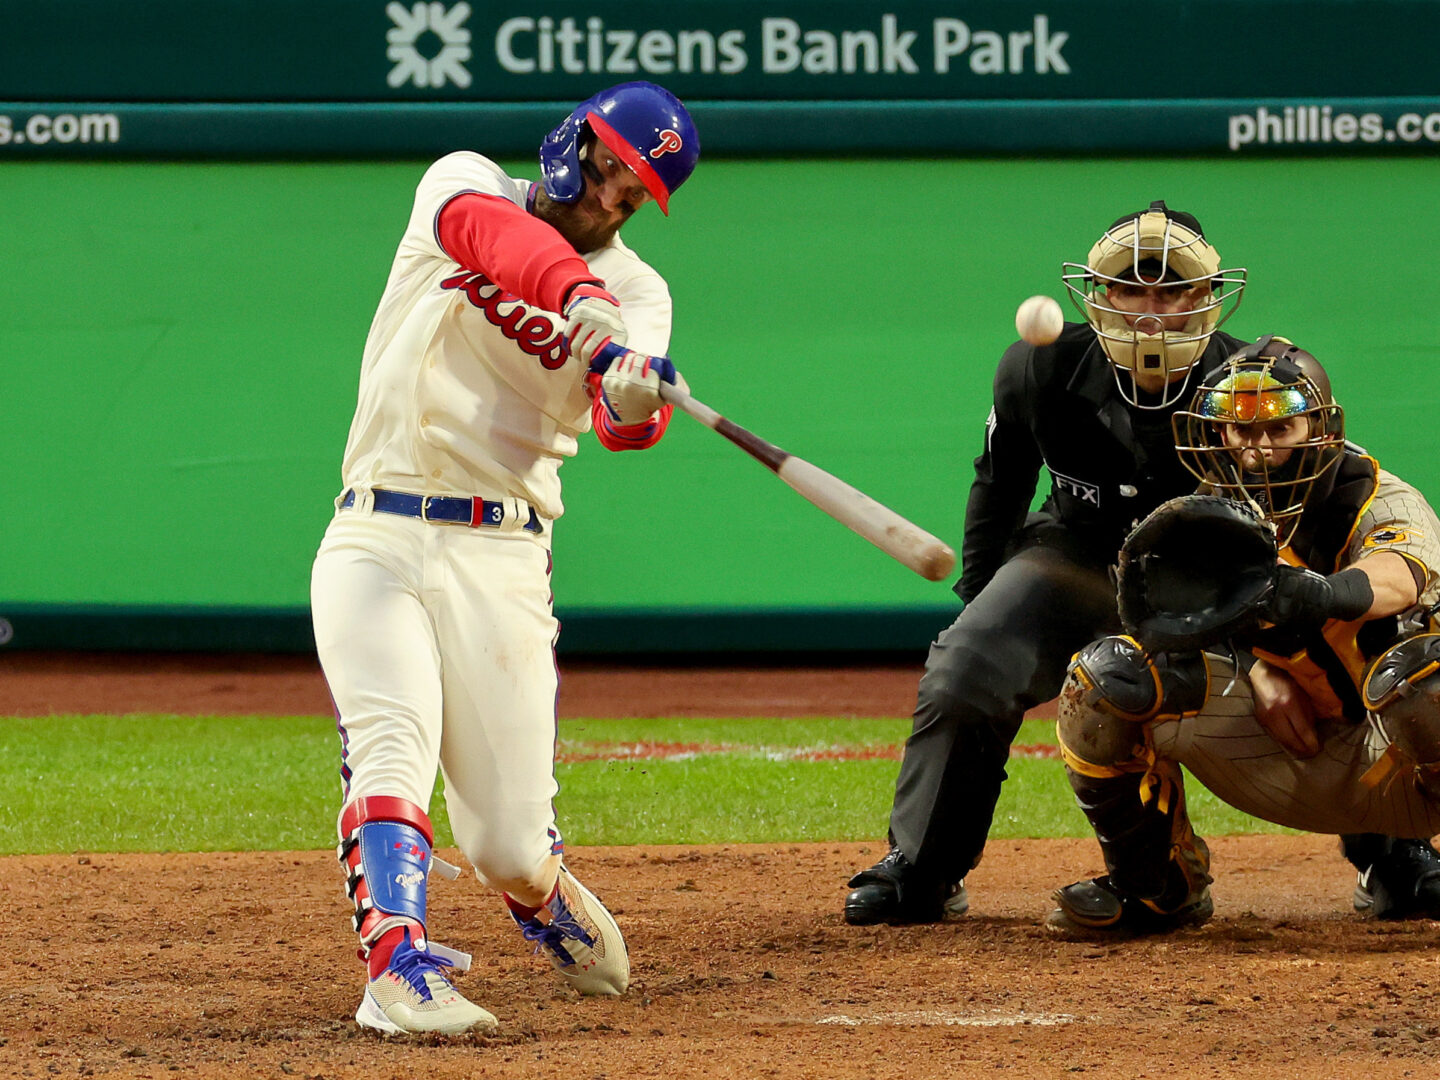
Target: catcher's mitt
(1196,571)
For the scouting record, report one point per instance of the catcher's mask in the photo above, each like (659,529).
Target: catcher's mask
(1158,246)
(1265,383)
(644,125)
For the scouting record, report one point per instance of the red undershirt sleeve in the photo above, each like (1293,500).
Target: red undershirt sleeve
(517,251)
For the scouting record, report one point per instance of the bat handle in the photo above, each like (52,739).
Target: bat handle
(696,410)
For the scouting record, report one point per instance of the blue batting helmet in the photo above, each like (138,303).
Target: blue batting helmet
(643,124)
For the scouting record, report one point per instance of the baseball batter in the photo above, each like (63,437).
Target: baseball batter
(1327,719)
(431,590)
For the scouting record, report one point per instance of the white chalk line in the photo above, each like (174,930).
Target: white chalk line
(932,1018)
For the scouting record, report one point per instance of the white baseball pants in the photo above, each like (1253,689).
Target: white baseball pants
(437,642)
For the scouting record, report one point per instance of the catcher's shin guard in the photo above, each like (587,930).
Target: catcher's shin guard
(385,850)
(1402,688)
(1137,808)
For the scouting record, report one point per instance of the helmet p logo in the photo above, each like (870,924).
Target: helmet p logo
(670,142)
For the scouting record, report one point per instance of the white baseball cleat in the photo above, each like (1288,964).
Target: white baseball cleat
(413,996)
(582,938)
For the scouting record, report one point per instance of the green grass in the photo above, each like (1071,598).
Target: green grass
(168,783)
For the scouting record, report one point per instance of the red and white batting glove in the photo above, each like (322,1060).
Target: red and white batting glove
(592,317)
(631,386)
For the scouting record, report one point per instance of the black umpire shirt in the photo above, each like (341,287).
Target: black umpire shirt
(1110,463)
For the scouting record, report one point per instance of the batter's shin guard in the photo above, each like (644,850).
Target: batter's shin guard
(385,850)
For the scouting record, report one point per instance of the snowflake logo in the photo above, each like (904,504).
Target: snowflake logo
(412,65)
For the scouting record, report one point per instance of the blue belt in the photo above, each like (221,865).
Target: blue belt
(443,509)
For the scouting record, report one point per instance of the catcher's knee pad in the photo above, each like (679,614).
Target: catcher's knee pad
(385,850)
(1402,687)
(1114,686)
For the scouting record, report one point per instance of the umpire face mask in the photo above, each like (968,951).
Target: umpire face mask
(1262,434)
(1153,290)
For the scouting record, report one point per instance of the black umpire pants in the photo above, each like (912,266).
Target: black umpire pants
(1007,652)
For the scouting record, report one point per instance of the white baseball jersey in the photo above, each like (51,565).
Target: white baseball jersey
(465,389)
(437,640)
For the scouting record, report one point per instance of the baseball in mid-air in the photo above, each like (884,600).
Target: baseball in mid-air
(1039,321)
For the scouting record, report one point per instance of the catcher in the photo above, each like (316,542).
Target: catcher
(1304,690)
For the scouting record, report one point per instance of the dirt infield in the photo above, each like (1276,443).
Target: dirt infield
(241,964)
(39,684)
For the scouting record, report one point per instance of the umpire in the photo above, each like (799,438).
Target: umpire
(1094,408)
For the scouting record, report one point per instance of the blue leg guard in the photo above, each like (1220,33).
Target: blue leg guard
(386,855)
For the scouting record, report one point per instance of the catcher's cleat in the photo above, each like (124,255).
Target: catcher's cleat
(892,891)
(1403,883)
(411,995)
(582,938)
(1097,907)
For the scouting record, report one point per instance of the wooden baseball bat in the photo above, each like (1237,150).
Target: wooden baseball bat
(927,555)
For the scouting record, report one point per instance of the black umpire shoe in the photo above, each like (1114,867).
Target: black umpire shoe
(1098,906)
(893,891)
(1402,883)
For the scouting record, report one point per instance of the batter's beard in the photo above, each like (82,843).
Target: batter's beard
(572,221)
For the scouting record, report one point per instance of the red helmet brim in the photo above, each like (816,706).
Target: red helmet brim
(633,159)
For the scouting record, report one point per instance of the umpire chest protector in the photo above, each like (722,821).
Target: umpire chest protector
(1109,464)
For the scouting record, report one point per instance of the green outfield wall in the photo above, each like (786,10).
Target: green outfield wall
(180,345)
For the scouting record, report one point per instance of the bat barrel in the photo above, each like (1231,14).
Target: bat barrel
(902,540)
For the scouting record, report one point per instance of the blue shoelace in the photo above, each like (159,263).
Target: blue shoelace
(414,963)
(553,935)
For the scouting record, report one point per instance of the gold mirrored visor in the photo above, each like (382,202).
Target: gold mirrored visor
(1251,397)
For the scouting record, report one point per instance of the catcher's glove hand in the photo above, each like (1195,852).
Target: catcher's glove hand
(1195,572)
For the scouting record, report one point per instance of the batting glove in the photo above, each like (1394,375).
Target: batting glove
(631,386)
(592,318)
